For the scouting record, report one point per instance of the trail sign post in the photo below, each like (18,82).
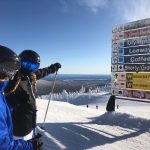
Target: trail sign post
(131,60)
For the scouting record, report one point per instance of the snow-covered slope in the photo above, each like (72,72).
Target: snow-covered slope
(70,127)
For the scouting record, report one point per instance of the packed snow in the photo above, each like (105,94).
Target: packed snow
(77,125)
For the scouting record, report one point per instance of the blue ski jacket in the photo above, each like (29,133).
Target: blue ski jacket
(6,134)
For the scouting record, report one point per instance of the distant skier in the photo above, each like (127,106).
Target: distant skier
(111,104)
(20,93)
(9,64)
(117,106)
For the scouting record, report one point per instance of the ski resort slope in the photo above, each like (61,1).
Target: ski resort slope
(71,127)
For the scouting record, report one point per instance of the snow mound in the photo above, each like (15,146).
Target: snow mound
(124,120)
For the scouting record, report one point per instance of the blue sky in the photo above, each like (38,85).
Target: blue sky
(76,33)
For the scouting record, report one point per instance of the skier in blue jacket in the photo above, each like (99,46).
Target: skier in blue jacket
(9,64)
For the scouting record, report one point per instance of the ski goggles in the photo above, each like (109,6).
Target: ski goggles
(8,68)
(30,66)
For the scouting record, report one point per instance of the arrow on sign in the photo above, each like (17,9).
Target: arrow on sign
(116,75)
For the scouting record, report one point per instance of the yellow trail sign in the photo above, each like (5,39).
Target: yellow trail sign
(138,85)
(138,77)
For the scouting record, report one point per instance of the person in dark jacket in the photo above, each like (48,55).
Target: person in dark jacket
(9,64)
(111,104)
(20,93)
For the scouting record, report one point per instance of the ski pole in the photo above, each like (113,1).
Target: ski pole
(42,127)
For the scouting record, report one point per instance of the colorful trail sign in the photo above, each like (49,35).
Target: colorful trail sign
(131,59)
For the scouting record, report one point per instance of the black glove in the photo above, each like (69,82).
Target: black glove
(55,67)
(37,142)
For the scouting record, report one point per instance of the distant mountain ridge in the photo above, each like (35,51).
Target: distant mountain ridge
(78,77)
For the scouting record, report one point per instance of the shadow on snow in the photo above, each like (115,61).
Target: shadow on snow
(79,136)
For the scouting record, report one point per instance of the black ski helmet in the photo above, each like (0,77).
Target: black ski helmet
(9,62)
(30,55)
